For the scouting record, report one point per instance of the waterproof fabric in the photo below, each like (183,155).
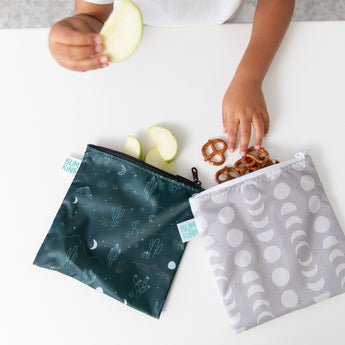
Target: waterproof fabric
(273,242)
(116,229)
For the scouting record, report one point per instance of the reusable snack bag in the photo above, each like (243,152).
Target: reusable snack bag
(272,240)
(116,228)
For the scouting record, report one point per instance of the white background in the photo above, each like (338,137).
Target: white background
(177,78)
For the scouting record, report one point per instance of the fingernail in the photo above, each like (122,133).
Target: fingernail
(98,39)
(103,60)
(257,147)
(231,150)
(243,153)
(98,48)
(224,130)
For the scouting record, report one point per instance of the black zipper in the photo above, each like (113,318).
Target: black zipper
(194,183)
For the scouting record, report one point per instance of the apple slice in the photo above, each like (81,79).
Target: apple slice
(154,158)
(165,142)
(122,31)
(133,147)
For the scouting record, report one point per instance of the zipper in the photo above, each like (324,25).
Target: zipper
(195,183)
(298,157)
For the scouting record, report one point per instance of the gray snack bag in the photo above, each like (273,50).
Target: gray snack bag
(273,241)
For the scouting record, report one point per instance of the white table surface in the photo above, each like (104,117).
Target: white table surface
(177,78)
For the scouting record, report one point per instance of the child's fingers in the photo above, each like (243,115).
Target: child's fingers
(259,130)
(245,136)
(232,130)
(71,37)
(75,53)
(266,120)
(86,64)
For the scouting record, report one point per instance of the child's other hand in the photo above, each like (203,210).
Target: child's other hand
(244,105)
(75,45)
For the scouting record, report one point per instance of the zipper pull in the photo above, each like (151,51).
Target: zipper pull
(196,177)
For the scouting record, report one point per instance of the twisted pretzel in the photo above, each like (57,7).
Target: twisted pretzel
(214,151)
(229,173)
(252,161)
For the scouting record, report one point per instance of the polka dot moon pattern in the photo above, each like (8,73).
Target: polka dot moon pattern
(226,215)
(243,258)
(234,237)
(281,191)
(321,224)
(314,203)
(289,298)
(280,276)
(272,254)
(171,265)
(307,183)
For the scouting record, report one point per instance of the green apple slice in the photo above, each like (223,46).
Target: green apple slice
(154,158)
(133,147)
(122,31)
(165,142)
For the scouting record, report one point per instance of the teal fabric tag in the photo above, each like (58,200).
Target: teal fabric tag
(188,230)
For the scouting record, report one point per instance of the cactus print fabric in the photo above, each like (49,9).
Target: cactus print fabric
(116,230)
(273,242)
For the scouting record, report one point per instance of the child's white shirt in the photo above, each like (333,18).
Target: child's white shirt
(166,13)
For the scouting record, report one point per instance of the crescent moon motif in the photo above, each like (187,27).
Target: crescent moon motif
(122,171)
(254,289)
(231,306)
(311,273)
(339,269)
(261,223)
(152,218)
(218,278)
(293,220)
(265,236)
(236,319)
(208,241)
(322,297)
(329,242)
(228,294)
(253,202)
(306,262)
(212,253)
(317,286)
(296,234)
(342,283)
(301,244)
(249,277)
(335,253)
(75,200)
(260,302)
(216,267)
(94,245)
(262,315)
(257,211)
(287,208)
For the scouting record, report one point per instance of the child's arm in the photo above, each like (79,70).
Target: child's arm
(244,103)
(74,42)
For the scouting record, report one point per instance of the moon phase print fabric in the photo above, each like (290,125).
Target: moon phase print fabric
(116,229)
(273,242)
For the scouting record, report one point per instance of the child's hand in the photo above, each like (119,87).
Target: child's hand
(75,45)
(244,105)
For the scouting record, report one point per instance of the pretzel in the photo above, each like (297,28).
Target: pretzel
(252,161)
(229,173)
(215,152)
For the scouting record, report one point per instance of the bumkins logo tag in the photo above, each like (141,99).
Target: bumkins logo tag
(188,230)
(70,166)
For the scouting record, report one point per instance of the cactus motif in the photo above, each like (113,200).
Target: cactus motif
(150,188)
(135,231)
(88,276)
(102,183)
(71,257)
(113,254)
(140,285)
(155,248)
(116,214)
(120,266)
